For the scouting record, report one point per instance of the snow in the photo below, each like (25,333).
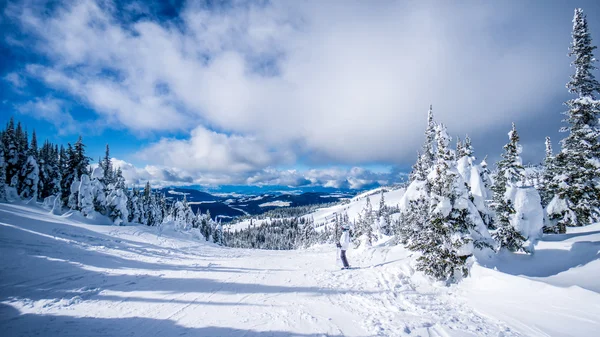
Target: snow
(529,214)
(327,214)
(173,192)
(201,202)
(277,203)
(72,276)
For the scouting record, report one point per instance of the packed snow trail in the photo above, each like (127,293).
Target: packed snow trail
(62,276)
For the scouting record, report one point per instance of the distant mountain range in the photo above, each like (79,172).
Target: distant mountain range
(227,206)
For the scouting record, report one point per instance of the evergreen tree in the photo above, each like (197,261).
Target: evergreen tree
(29,179)
(218,234)
(11,153)
(79,162)
(419,171)
(446,235)
(117,205)
(33,147)
(468,147)
(577,164)
(106,165)
(546,186)
(510,174)
(460,150)
(85,199)
(73,200)
(99,191)
(429,146)
(2,175)
(65,176)
(119,179)
(382,207)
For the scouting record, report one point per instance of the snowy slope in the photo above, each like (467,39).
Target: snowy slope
(60,276)
(326,215)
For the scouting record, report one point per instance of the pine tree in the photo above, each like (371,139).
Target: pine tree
(468,147)
(73,200)
(382,207)
(29,179)
(99,191)
(428,147)
(510,174)
(419,171)
(106,165)
(218,234)
(22,148)
(577,164)
(11,154)
(446,234)
(80,162)
(65,175)
(85,199)
(546,187)
(460,150)
(117,205)
(2,175)
(33,147)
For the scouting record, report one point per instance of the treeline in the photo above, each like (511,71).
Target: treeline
(63,179)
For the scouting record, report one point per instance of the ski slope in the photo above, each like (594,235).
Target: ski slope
(62,276)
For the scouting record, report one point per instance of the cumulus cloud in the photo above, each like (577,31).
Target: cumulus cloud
(15,79)
(52,110)
(209,151)
(161,176)
(342,83)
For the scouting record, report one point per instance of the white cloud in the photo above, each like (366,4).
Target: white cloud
(338,82)
(15,79)
(160,176)
(52,110)
(209,151)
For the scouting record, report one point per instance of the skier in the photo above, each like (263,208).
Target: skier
(344,243)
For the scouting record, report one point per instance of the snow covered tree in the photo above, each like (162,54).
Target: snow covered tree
(106,165)
(382,207)
(11,154)
(419,171)
(452,228)
(546,186)
(85,199)
(22,148)
(2,175)
(445,239)
(33,147)
(65,175)
(460,150)
(133,206)
(117,205)
(29,180)
(577,199)
(429,146)
(363,233)
(218,234)
(79,162)
(510,174)
(412,220)
(72,202)
(468,147)
(98,191)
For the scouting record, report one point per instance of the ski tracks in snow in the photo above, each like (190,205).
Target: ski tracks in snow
(394,301)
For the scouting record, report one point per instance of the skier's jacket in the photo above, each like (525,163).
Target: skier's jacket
(345,240)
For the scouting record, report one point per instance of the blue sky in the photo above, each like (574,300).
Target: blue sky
(284,93)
